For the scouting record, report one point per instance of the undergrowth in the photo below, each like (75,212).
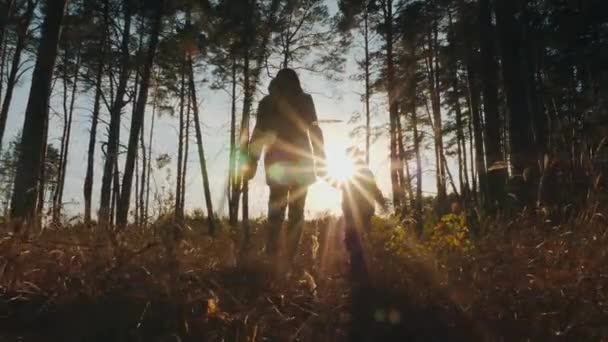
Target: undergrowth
(526,278)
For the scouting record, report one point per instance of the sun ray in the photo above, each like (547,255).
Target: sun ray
(339,166)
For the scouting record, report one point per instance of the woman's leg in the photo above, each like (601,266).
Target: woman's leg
(277,203)
(297,201)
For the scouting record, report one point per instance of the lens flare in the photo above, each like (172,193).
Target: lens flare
(339,165)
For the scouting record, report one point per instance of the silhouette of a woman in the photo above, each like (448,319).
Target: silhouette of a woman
(288,131)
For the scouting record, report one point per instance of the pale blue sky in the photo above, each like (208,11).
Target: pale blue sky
(333,100)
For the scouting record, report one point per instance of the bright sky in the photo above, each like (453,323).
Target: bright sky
(337,101)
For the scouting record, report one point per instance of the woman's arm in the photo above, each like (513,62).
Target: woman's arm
(260,137)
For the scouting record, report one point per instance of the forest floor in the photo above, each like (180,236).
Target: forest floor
(526,279)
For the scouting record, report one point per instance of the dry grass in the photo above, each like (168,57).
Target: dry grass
(526,279)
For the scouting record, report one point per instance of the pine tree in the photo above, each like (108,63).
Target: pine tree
(23,33)
(137,119)
(33,142)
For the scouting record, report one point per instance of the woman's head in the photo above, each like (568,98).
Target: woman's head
(272,87)
(287,82)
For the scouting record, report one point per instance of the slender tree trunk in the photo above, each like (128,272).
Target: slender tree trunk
(113,134)
(31,159)
(11,82)
(115,192)
(133,108)
(5,13)
(250,87)
(44,180)
(137,120)
(367,89)
(136,210)
(520,122)
(233,201)
(403,180)
(496,179)
(201,151)
(179,210)
(463,164)
(3,53)
(395,163)
(418,214)
(472,149)
(88,179)
(186,149)
(459,148)
(41,199)
(149,165)
(433,76)
(286,53)
(144,175)
(450,177)
(410,190)
(66,123)
(65,148)
(6,9)
(531,69)
(455,102)
(244,139)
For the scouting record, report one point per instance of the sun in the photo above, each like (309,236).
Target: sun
(340,166)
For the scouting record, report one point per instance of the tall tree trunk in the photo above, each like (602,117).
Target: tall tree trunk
(31,158)
(133,108)
(460,148)
(472,148)
(65,147)
(114,126)
(433,76)
(44,180)
(395,162)
(11,82)
(115,192)
(520,123)
(137,120)
(250,88)
(136,210)
(403,180)
(233,201)
(478,167)
(367,83)
(88,179)
(244,139)
(410,190)
(144,175)
(6,9)
(149,165)
(186,149)
(201,151)
(66,123)
(3,53)
(418,214)
(250,85)
(42,184)
(455,101)
(496,178)
(533,50)
(179,210)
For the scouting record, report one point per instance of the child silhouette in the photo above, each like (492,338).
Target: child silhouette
(360,193)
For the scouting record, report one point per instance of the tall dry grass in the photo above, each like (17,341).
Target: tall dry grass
(526,278)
